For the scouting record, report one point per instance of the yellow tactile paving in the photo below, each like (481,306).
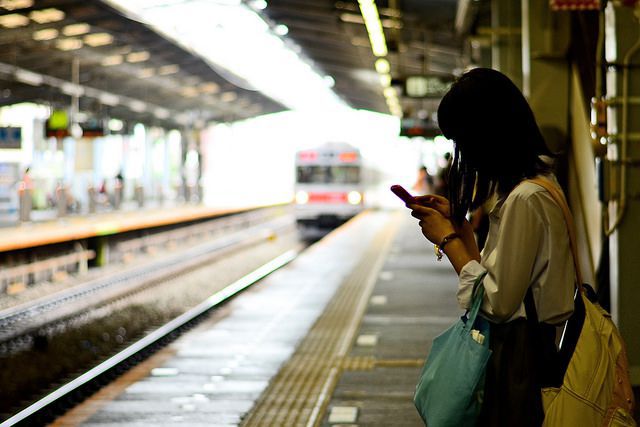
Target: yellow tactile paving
(298,395)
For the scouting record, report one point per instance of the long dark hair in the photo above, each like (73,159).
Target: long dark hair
(497,140)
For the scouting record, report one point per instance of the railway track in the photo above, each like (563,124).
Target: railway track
(77,389)
(19,322)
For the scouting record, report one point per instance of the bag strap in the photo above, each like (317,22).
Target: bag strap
(560,200)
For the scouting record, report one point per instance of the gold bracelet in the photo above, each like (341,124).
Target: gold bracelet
(439,249)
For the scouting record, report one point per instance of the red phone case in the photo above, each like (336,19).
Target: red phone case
(399,191)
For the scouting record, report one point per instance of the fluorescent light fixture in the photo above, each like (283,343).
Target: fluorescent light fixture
(385,80)
(69,44)
(209,88)
(145,73)
(14,20)
(189,92)
(166,70)
(111,60)
(140,56)
(161,113)
(352,18)
(46,34)
(46,16)
(383,66)
(281,30)
(28,77)
(389,92)
(98,39)
(116,125)
(374,27)
(258,4)
(392,23)
(329,81)
(228,96)
(71,89)
(137,106)
(109,99)
(252,55)
(15,4)
(76,29)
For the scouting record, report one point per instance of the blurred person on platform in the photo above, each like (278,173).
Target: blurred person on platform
(424,182)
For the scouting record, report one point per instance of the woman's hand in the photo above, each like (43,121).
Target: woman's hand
(441,205)
(435,226)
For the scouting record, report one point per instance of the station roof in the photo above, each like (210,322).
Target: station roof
(127,69)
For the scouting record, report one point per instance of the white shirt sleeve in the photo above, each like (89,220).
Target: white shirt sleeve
(468,275)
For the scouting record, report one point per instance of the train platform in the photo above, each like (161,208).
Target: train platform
(77,227)
(335,338)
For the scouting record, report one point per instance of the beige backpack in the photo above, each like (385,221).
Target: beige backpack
(596,390)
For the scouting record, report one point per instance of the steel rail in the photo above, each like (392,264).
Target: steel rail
(34,315)
(151,339)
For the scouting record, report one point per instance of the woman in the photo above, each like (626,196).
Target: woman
(527,257)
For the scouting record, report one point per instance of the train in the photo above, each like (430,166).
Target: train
(329,186)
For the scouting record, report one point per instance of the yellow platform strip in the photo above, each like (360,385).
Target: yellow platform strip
(302,389)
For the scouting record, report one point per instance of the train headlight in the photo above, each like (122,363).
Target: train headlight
(354,197)
(302,197)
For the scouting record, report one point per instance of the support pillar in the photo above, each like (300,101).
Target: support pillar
(545,69)
(623,159)
(506,43)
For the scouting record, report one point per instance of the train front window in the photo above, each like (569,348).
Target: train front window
(328,174)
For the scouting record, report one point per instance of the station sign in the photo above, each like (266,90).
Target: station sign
(427,86)
(424,128)
(57,125)
(11,137)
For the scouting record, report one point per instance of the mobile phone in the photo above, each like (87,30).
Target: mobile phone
(399,191)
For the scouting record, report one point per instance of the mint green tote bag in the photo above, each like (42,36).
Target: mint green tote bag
(450,387)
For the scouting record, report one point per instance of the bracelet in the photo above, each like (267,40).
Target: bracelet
(439,249)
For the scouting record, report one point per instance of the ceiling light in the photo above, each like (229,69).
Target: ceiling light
(46,34)
(115,125)
(329,81)
(145,73)
(385,80)
(137,106)
(71,89)
(28,77)
(392,23)
(161,113)
(389,92)
(112,60)
(14,20)
(351,18)
(209,88)
(15,4)
(259,4)
(374,27)
(109,99)
(76,29)
(166,70)
(228,97)
(46,16)
(69,44)
(138,56)
(281,30)
(189,92)
(383,66)
(98,39)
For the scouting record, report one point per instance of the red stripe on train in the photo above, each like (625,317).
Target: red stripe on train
(333,197)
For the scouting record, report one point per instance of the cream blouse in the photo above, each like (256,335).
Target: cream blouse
(527,245)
